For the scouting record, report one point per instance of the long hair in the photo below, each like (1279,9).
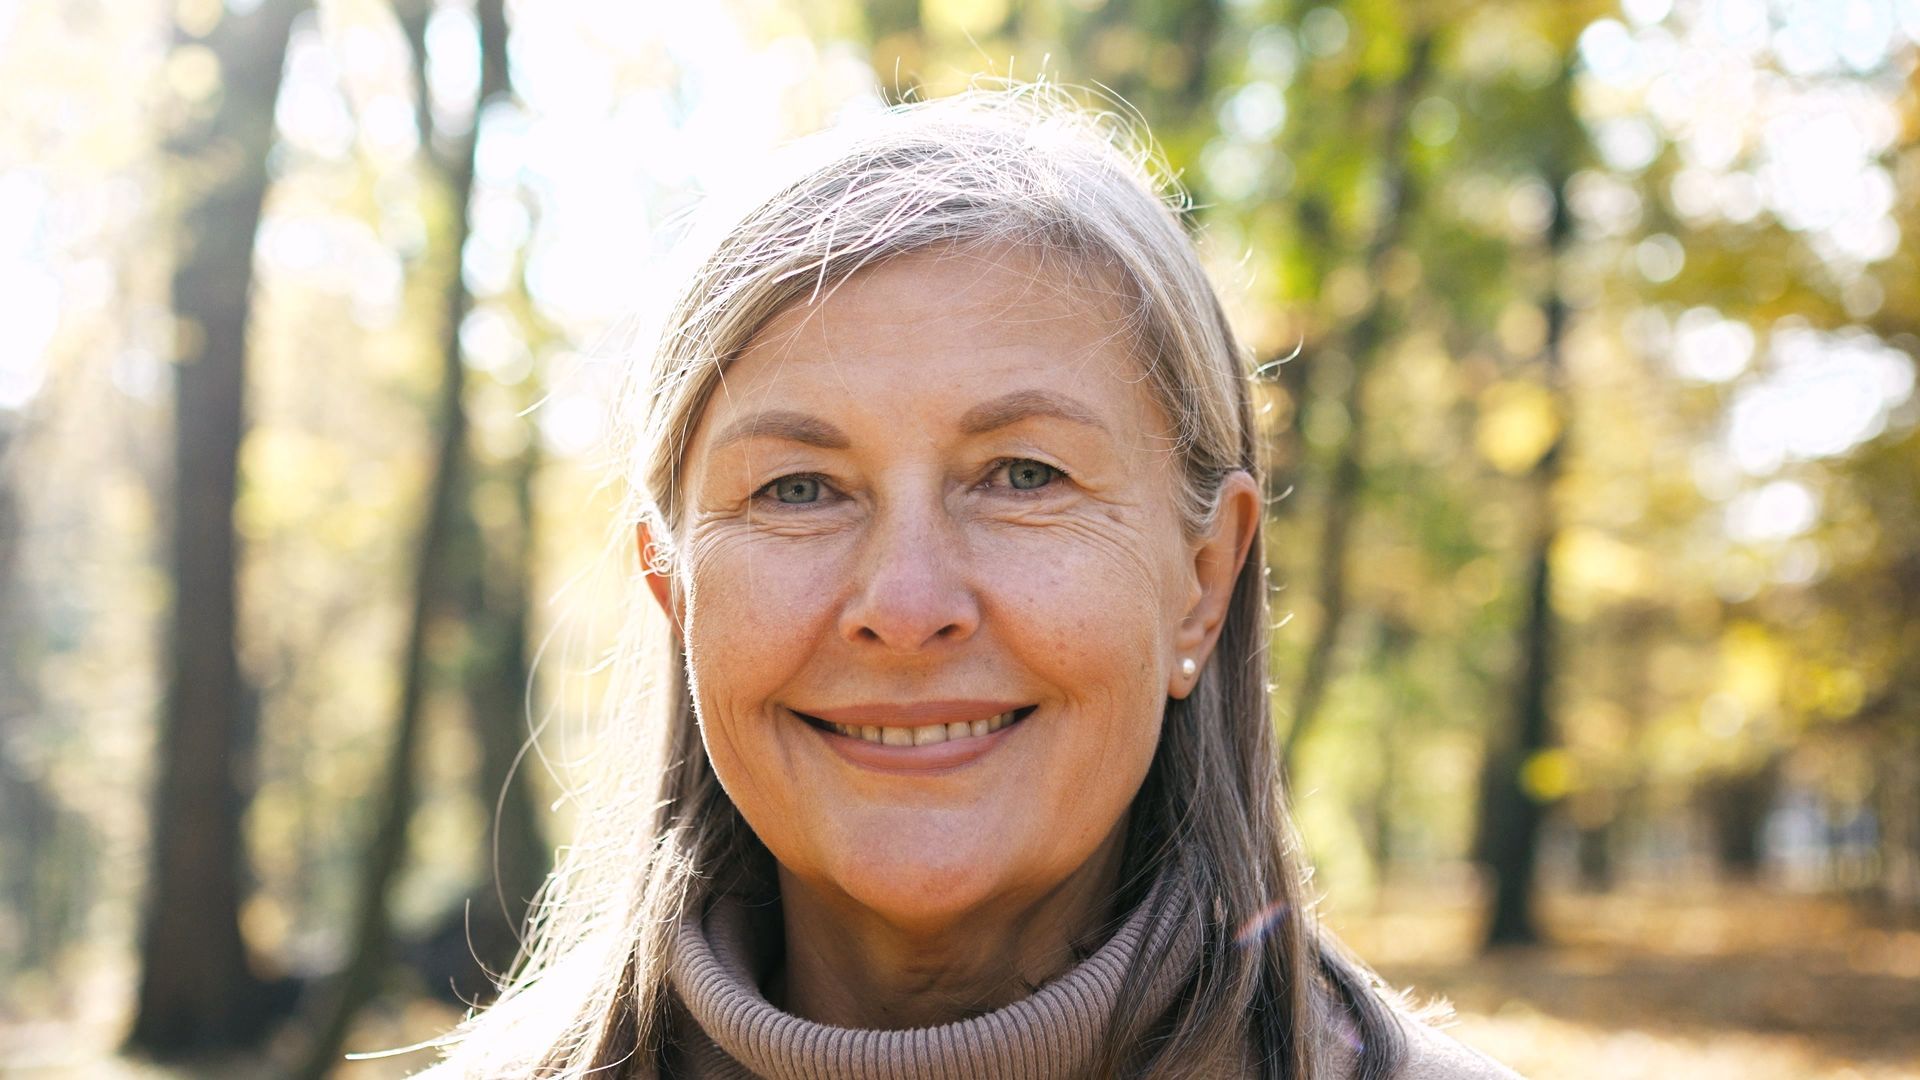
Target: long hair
(1084,192)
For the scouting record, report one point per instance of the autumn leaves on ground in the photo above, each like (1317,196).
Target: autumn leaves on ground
(1701,983)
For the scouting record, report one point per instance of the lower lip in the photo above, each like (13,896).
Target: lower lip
(933,757)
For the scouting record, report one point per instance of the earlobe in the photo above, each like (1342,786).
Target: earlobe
(1217,563)
(659,583)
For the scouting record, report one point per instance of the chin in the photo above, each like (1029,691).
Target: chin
(907,883)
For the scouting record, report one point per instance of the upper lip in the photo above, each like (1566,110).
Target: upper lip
(914,713)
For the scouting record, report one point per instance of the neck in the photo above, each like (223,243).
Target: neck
(849,966)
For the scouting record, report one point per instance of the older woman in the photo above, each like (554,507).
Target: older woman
(946,481)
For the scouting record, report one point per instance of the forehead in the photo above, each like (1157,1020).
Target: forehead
(920,335)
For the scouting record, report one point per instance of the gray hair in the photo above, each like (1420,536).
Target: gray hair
(1081,189)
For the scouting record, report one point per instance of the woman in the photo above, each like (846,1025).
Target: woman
(945,478)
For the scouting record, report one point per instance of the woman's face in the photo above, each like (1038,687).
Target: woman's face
(936,590)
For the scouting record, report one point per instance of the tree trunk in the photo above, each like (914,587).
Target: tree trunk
(197,989)
(1396,641)
(1510,814)
(30,933)
(1736,810)
(481,936)
(372,931)
(1359,343)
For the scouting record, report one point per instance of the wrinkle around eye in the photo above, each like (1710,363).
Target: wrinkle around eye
(1121,545)
(1112,536)
(741,529)
(1059,506)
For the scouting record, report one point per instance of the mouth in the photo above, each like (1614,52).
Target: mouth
(924,734)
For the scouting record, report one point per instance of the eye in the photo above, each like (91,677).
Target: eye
(1025,475)
(797,489)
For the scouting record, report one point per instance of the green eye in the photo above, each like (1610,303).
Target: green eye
(797,489)
(1027,475)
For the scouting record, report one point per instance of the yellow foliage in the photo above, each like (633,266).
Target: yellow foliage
(197,18)
(1477,584)
(1549,775)
(1592,567)
(1518,422)
(963,18)
(193,73)
(1348,291)
(288,476)
(1837,693)
(1598,725)
(1751,663)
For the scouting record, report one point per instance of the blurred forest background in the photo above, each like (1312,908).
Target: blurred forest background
(1589,335)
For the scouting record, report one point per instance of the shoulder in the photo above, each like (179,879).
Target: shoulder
(455,1069)
(1433,1054)
(1428,1050)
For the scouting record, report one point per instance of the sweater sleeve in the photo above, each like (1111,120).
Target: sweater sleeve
(1432,1054)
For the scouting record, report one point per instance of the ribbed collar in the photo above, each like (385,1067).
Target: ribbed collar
(729,1030)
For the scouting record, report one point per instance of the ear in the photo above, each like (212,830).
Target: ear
(1217,561)
(661,585)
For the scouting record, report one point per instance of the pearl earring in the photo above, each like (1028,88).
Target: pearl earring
(1187,667)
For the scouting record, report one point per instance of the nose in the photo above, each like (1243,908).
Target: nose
(911,591)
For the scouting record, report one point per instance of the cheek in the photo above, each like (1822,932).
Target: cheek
(1088,601)
(756,613)
(1088,614)
(752,604)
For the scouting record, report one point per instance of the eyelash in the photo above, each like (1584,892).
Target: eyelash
(1009,462)
(765,492)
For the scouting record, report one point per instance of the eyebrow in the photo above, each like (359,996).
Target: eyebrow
(1000,412)
(783,424)
(1025,404)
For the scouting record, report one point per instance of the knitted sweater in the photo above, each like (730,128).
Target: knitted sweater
(726,1029)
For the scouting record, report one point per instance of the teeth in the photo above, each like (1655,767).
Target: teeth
(922,736)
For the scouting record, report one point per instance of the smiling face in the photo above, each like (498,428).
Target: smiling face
(941,499)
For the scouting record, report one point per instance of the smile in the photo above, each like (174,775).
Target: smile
(926,734)
(923,739)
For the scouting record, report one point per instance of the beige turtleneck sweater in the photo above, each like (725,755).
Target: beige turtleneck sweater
(726,1029)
